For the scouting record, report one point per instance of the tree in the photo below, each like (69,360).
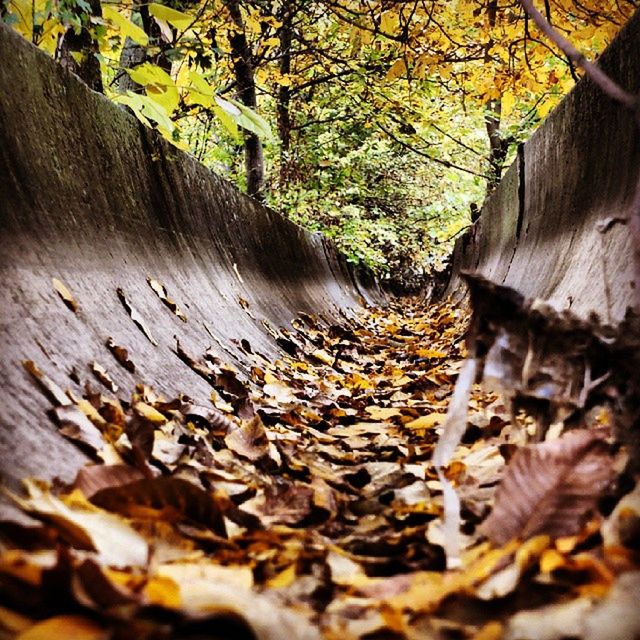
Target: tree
(392,116)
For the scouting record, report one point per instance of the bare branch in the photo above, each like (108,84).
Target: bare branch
(595,73)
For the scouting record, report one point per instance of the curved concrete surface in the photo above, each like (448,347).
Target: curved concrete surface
(92,198)
(554,228)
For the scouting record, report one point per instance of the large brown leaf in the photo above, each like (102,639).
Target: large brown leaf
(167,498)
(550,488)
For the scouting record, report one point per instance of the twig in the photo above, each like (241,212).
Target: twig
(597,75)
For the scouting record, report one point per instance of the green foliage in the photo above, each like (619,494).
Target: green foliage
(372,114)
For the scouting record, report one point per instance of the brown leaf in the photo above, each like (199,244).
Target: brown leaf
(550,488)
(65,294)
(161,291)
(169,498)
(136,317)
(75,425)
(102,375)
(93,478)
(121,355)
(250,440)
(93,588)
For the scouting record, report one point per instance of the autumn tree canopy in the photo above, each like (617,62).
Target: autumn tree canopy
(382,123)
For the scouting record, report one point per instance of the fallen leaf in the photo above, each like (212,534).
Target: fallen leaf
(163,498)
(136,317)
(121,355)
(550,488)
(87,527)
(103,376)
(382,413)
(149,413)
(161,291)
(426,422)
(65,294)
(249,440)
(51,389)
(75,425)
(64,628)
(93,478)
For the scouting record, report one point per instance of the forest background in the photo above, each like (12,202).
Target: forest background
(381,123)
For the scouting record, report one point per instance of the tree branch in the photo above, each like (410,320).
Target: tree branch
(595,73)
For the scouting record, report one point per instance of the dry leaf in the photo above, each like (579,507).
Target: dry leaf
(86,527)
(103,376)
(551,488)
(75,425)
(121,355)
(65,628)
(161,291)
(163,498)
(250,440)
(427,422)
(136,317)
(92,479)
(65,294)
(52,390)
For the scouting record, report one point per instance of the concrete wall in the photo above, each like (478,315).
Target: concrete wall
(538,232)
(89,196)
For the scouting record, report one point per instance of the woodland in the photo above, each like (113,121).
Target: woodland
(416,467)
(382,124)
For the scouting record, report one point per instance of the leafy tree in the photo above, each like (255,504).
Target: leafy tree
(378,122)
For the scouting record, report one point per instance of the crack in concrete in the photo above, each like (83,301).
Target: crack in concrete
(521,205)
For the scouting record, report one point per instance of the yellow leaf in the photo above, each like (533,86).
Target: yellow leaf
(551,560)
(158,83)
(545,106)
(147,412)
(431,353)
(64,628)
(508,102)
(398,68)
(389,22)
(284,578)
(490,631)
(382,413)
(163,591)
(126,27)
(427,422)
(178,19)
(65,294)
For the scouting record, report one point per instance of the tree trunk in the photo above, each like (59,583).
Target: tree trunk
(245,80)
(498,146)
(284,94)
(134,54)
(77,51)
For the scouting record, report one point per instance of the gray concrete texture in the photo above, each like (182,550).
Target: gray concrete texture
(548,230)
(93,198)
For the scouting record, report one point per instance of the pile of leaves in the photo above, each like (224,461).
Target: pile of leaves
(303,502)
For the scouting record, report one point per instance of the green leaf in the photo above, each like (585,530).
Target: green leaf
(227,122)
(228,107)
(146,110)
(251,121)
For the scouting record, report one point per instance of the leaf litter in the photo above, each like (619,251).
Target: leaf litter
(342,491)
